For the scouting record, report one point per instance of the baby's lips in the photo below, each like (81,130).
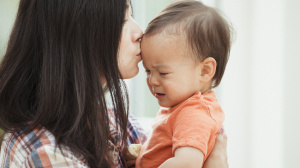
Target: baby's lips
(159,95)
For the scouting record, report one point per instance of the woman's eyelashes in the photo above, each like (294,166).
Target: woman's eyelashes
(127,18)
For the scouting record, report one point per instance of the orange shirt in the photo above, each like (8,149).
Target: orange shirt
(194,122)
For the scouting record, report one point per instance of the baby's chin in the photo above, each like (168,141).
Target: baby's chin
(167,105)
(171,104)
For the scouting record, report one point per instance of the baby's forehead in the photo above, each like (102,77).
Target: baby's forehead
(180,34)
(163,42)
(169,39)
(164,36)
(178,30)
(170,52)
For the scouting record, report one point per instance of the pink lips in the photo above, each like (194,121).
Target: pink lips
(139,55)
(159,95)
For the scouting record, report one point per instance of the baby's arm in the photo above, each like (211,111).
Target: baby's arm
(185,157)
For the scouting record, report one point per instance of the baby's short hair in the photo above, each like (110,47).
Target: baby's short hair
(204,29)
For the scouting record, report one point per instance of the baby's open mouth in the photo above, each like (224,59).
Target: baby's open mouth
(159,95)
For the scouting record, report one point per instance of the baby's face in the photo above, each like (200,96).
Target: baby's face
(172,75)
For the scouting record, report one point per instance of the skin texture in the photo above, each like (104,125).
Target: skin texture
(169,66)
(129,51)
(168,69)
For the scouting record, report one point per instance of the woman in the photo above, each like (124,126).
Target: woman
(62,57)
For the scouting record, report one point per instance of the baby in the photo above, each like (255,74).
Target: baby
(185,50)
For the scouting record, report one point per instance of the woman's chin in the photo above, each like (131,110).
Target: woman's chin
(130,75)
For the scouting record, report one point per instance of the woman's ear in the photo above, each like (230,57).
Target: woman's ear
(208,69)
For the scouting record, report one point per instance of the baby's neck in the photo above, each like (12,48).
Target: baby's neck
(206,87)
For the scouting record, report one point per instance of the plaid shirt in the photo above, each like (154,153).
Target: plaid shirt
(22,151)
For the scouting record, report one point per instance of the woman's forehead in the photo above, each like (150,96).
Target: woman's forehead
(128,4)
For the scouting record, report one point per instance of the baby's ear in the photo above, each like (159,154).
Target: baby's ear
(208,69)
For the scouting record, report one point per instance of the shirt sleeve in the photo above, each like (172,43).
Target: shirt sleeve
(48,156)
(193,127)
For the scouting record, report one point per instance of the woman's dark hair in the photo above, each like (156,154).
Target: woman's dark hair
(50,73)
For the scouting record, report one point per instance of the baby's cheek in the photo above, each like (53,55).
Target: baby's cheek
(149,86)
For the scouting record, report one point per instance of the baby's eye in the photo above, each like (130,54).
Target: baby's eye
(163,74)
(147,71)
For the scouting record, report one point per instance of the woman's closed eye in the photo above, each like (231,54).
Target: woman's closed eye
(125,21)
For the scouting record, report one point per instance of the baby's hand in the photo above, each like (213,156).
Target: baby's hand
(132,153)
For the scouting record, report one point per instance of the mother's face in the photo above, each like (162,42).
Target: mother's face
(129,50)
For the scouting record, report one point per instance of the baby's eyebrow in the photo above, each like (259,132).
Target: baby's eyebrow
(158,66)
(161,66)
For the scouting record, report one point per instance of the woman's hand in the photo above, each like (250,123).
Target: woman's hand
(218,156)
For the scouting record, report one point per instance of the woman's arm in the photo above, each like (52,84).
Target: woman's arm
(218,156)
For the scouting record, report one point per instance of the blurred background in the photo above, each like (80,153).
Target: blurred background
(259,92)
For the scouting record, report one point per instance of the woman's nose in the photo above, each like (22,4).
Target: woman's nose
(138,33)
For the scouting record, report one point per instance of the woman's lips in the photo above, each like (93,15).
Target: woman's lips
(139,56)
(159,95)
